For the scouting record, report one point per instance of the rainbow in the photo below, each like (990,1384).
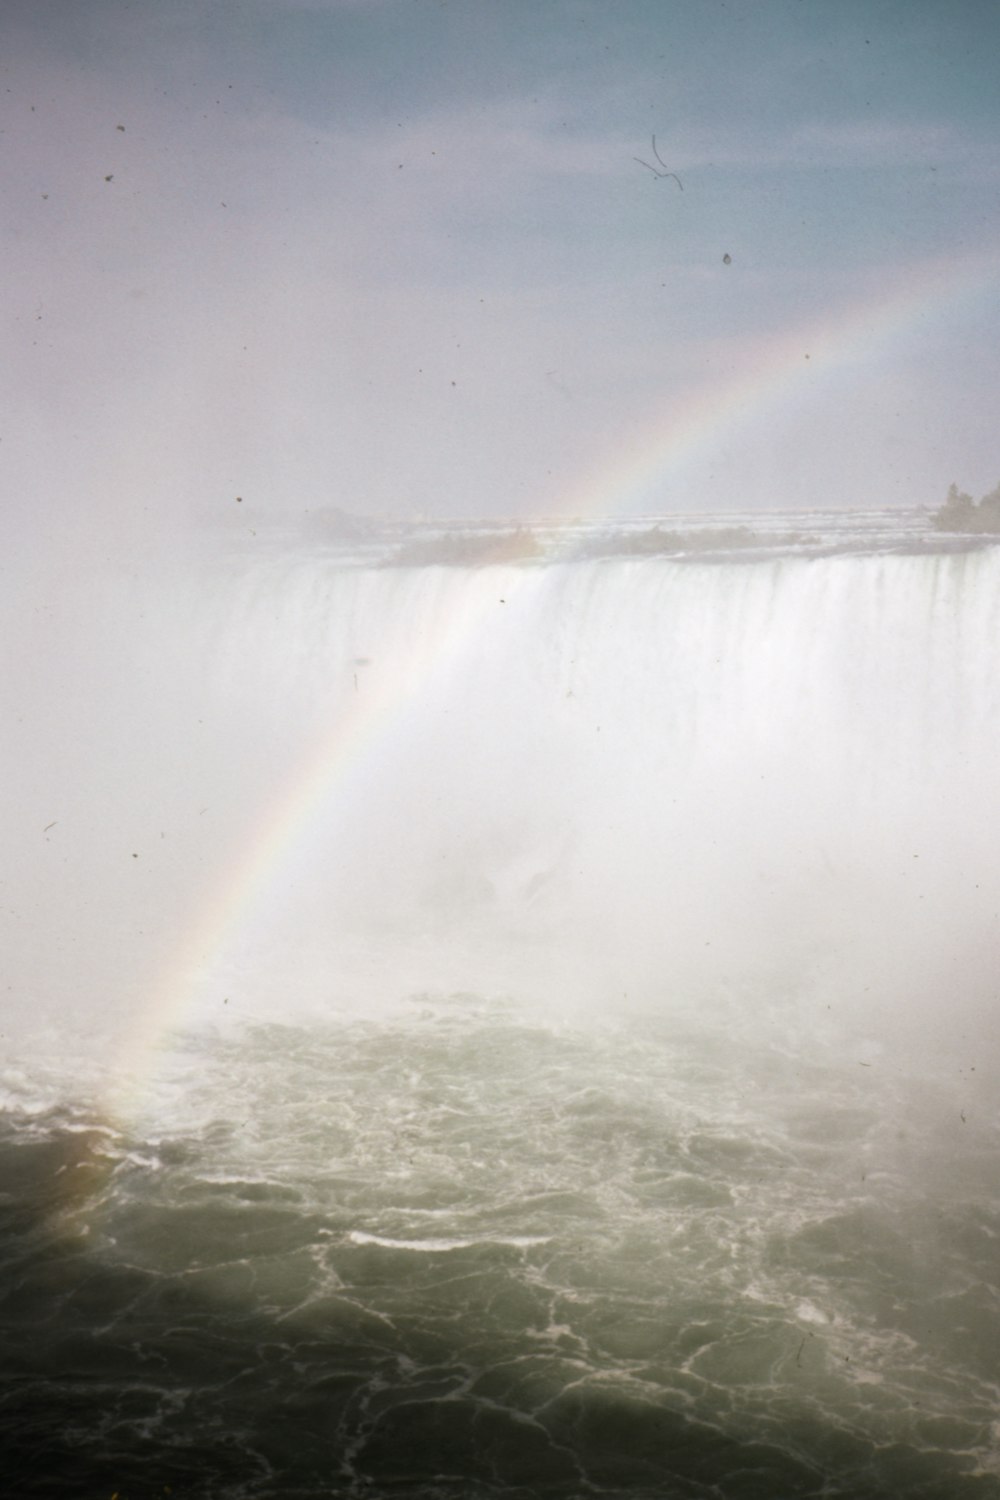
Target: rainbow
(789,368)
(268,851)
(792,368)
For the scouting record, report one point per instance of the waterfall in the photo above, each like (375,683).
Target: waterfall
(589,784)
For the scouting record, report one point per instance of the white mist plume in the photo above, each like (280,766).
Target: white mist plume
(755,786)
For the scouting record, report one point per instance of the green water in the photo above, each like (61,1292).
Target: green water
(457,1253)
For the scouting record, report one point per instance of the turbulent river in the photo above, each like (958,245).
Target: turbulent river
(507,1029)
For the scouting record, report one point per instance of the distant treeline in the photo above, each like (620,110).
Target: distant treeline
(470,549)
(520,544)
(961,513)
(656,541)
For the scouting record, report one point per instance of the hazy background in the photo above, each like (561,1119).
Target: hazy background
(262,257)
(398,256)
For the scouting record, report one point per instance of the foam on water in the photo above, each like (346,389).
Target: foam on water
(658,1260)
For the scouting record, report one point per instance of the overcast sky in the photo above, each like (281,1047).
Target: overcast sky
(398,256)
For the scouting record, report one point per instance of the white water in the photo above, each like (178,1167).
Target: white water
(767,787)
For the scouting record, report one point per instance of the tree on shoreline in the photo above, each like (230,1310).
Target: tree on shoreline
(961,513)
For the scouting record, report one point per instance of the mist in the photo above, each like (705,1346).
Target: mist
(599,782)
(499,901)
